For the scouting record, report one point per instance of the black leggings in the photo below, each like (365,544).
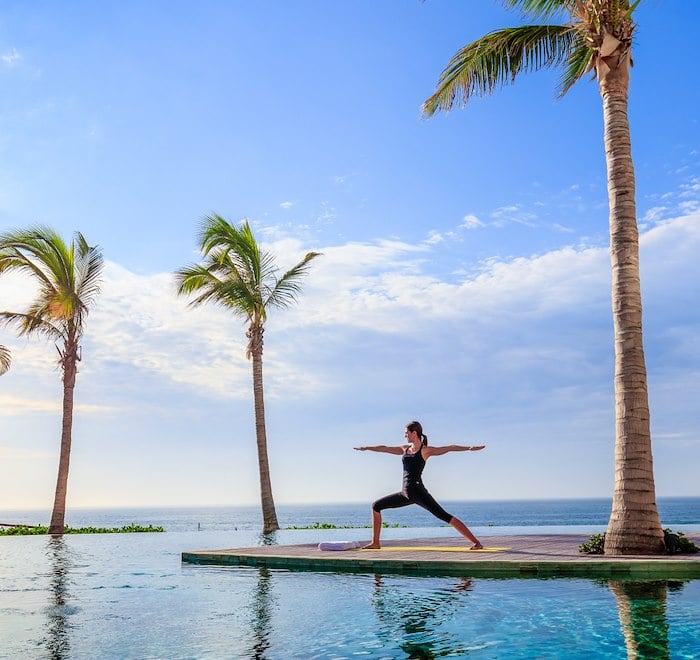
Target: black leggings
(416,494)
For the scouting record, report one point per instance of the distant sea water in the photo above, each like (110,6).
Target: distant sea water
(95,596)
(530,516)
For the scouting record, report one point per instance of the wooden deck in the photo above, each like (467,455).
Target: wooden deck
(526,556)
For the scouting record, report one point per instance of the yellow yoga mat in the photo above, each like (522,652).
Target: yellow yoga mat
(437,548)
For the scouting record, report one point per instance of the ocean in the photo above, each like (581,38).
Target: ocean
(576,515)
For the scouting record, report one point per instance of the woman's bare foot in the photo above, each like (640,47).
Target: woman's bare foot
(372,546)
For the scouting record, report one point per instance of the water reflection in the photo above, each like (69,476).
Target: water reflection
(261,614)
(57,640)
(413,619)
(641,606)
(267,538)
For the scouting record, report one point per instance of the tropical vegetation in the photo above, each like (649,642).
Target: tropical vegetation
(29,530)
(326,525)
(68,276)
(243,278)
(595,36)
(4,359)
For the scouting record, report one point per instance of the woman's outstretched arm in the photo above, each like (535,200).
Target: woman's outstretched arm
(439,451)
(382,448)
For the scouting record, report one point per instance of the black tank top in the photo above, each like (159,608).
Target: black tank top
(413,465)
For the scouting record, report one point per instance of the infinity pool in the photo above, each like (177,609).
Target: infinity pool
(129,596)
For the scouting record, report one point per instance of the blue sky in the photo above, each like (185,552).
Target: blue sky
(465,280)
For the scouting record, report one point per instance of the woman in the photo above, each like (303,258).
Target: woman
(415,454)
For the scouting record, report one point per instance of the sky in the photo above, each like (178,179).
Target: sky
(465,276)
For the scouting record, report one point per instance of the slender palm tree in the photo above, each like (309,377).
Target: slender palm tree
(68,278)
(241,277)
(4,359)
(595,37)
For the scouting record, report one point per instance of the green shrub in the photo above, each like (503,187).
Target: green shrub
(594,546)
(24,530)
(678,543)
(320,525)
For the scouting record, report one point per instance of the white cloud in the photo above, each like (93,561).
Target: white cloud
(382,287)
(139,321)
(386,282)
(689,207)
(691,188)
(11,57)
(518,351)
(434,237)
(471,222)
(654,214)
(563,229)
(286,205)
(327,214)
(512,214)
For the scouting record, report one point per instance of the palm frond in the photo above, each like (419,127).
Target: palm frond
(235,248)
(238,297)
(255,260)
(61,259)
(217,234)
(30,324)
(89,266)
(5,359)
(287,288)
(268,267)
(190,278)
(230,292)
(579,63)
(12,259)
(47,249)
(246,269)
(36,251)
(631,9)
(540,9)
(496,59)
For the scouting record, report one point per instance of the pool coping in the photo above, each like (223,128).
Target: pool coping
(537,555)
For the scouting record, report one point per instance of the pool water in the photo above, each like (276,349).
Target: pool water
(129,596)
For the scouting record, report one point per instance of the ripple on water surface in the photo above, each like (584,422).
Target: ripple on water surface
(129,596)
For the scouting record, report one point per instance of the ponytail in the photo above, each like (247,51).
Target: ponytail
(416,426)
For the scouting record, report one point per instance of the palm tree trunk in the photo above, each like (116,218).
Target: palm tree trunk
(634,526)
(270,523)
(58,516)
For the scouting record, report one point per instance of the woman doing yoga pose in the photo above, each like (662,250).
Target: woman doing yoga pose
(415,454)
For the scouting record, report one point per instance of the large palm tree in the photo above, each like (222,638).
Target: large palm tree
(4,359)
(595,37)
(242,278)
(68,278)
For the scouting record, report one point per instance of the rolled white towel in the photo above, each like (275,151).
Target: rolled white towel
(341,545)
